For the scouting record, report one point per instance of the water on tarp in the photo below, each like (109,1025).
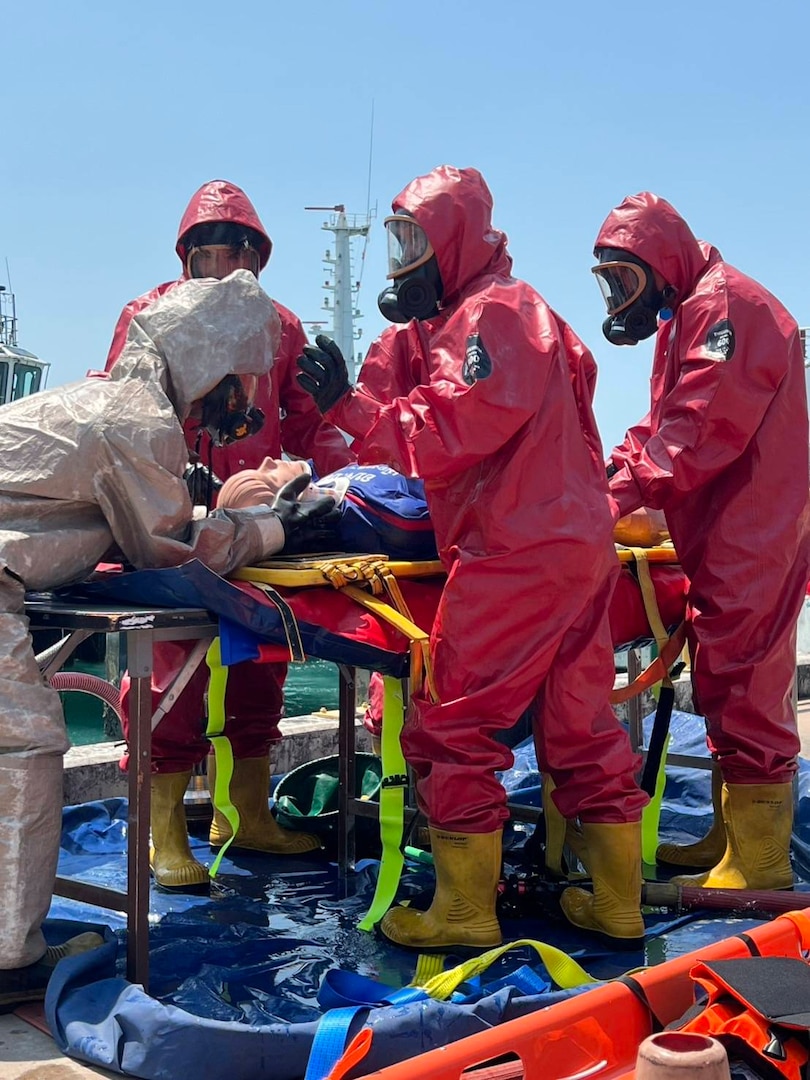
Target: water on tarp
(275,933)
(298,916)
(303,898)
(309,688)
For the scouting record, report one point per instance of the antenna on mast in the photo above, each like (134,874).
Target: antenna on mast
(341,286)
(21,372)
(8,313)
(370,155)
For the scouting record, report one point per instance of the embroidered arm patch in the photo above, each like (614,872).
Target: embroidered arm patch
(720,341)
(477,363)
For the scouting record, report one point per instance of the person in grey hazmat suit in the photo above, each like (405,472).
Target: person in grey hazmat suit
(93,471)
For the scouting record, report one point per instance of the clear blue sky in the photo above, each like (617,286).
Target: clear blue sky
(113,114)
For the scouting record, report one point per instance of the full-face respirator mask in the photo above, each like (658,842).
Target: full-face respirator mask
(634,301)
(416,287)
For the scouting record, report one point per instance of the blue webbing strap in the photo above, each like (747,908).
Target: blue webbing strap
(331,1038)
(341,989)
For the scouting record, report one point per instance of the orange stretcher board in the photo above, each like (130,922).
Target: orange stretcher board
(595,1035)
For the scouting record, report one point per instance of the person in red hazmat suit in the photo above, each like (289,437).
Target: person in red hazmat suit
(485,393)
(220,231)
(724,453)
(95,470)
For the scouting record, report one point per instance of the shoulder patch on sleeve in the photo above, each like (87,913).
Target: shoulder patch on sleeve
(477,364)
(720,341)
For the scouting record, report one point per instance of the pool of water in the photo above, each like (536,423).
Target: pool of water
(309,687)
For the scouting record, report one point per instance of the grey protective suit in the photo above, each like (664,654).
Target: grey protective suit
(94,469)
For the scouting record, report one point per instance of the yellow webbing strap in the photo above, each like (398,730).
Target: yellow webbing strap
(352,576)
(649,598)
(563,970)
(312,570)
(669,648)
(223,751)
(428,966)
(420,641)
(661,553)
(651,814)
(392,804)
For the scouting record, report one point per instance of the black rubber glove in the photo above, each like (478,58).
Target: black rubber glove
(323,372)
(303,521)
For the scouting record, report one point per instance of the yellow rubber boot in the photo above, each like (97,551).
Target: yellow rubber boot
(706,852)
(258,829)
(561,834)
(759,821)
(173,865)
(74,946)
(613,909)
(468,868)
(18,986)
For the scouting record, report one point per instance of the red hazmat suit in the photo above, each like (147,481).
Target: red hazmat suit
(293,424)
(490,404)
(724,452)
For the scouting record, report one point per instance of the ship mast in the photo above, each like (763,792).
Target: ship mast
(8,317)
(21,372)
(341,285)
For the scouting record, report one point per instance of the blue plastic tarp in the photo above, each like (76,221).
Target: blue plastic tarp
(239,978)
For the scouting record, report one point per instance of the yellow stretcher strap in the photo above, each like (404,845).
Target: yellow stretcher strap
(649,598)
(661,553)
(353,576)
(312,570)
(420,641)
(669,648)
(651,814)
(564,971)
(223,751)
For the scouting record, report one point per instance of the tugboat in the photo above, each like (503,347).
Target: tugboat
(21,372)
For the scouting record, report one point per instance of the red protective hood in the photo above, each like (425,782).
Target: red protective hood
(454,207)
(219,200)
(651,229)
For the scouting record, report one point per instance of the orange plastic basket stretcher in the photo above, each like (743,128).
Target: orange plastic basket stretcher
(596,1035)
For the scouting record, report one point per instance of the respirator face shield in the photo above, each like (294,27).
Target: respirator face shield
(620,284)
(632,298)
(408,245)
(416,285)
(227,412)
(219,260)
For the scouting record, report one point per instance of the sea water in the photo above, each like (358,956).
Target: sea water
(309,688)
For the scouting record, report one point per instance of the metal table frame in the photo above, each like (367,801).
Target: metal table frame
(140,628)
